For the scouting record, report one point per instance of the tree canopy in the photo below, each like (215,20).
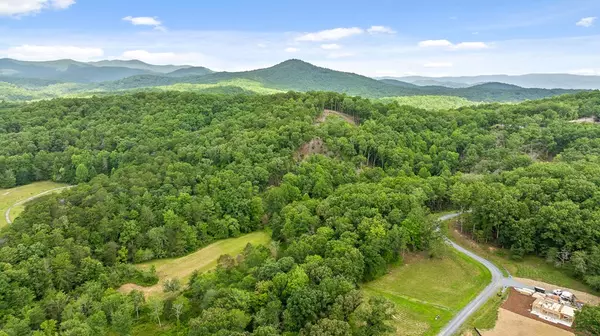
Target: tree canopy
(162,174)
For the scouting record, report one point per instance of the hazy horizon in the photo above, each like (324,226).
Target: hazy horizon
(432,38)
(290,59)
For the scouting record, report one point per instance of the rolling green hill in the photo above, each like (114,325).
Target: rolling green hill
(66,71)
(291,75)
(80,72)
(297,75)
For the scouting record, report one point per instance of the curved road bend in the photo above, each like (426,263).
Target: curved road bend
(7,213)
(499,281)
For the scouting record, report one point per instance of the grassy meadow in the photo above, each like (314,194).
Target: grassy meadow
(429,292)
(9,197)
(204,259)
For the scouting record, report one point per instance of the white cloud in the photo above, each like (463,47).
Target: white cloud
(450,45)
(261,45)
(291,50)
(381,30)
(435,43)
(237,51)
(471,46)
(340,55)
(331,46)
(438,65)
(62,4)
(163,57)
(24,7)
(145,21)
(586,22)
(330,34)
(45,53)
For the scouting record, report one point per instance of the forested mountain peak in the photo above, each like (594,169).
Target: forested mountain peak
(190,71)
(295,63)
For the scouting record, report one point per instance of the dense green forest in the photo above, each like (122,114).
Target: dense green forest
(162,174)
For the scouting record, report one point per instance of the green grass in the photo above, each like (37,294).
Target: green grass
(425,288)
(204,259)
(486,316)
(531,267)
(8,197)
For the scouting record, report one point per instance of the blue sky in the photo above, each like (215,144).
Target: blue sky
(374,38)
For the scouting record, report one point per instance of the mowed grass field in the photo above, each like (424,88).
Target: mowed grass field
(531,267)
(425,289)
(202,260)
(9,197)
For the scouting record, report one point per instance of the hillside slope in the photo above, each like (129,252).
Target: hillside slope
(301,76)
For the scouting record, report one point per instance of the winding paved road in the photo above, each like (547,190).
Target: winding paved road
(7,213)
(499,281)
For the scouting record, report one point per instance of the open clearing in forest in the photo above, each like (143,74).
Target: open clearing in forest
(202,260)
(327,113)
(317,145)
(425,288)
(531,267)
(12,196)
